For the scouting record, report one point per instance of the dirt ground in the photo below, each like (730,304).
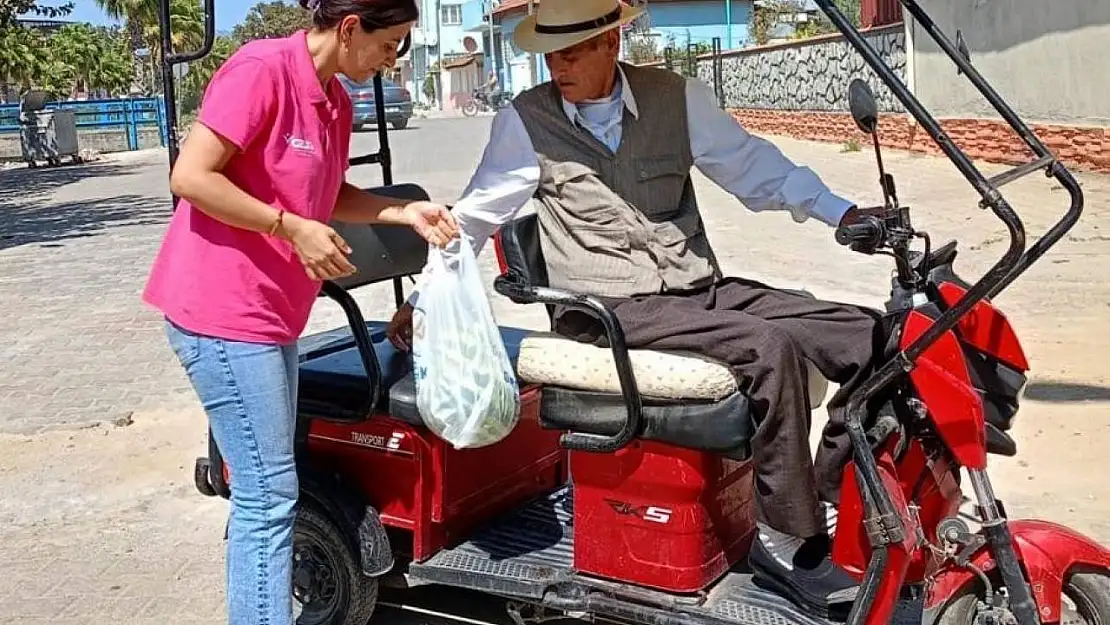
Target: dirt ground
(89,514)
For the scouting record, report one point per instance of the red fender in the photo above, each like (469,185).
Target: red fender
(1048,551)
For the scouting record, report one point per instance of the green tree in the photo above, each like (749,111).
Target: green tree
(201,71)
(268,20)
(97,57)
(136,15)
(12,9)
(20,50)
(186,29)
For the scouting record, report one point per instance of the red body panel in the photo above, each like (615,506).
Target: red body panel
(418,482)
(852,548)
(942,381)
(660,516)
(985,327)
(931,484)
(1047,550)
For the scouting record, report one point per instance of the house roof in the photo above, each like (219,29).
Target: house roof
(508,6)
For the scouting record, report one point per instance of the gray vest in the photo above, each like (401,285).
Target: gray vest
(626,223)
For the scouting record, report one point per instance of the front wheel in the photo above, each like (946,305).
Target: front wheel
(328,583)
(1086,602)
(470,109)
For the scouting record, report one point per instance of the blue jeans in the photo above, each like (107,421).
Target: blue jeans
(249,392)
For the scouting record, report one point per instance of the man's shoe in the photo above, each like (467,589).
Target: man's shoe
(814,583)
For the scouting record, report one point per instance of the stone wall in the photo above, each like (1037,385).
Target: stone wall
(799,89)
(809,75)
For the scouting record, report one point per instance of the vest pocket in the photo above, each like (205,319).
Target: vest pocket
(605,256)
(682,251)
(577,187)
(682,228)
(660,180)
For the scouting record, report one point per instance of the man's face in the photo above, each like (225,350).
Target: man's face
(586,71)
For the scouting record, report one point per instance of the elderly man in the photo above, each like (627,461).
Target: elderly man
(606,150)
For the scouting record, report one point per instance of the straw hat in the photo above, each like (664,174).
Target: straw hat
(559,24)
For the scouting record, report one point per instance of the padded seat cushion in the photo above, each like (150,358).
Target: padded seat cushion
(553,360)
(550,359)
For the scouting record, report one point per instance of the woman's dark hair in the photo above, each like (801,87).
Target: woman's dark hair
(374,14)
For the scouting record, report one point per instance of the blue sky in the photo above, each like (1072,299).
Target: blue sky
(228,12)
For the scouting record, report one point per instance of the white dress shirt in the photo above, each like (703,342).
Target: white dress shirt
(750,168)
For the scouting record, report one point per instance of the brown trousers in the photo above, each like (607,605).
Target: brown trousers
(766,335)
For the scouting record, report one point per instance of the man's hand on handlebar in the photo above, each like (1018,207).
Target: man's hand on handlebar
(860,230)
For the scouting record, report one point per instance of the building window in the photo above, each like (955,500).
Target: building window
(451,14)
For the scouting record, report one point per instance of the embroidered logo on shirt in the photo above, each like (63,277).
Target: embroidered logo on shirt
(303,145)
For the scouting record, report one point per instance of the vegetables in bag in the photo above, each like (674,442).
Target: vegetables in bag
(466,388)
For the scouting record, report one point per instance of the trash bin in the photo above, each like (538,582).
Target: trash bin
(46,135)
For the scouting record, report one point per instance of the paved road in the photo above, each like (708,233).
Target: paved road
(101,524)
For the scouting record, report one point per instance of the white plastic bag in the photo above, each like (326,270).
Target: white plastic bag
(466,389)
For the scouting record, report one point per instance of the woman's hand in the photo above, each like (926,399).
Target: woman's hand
(431,221)
(321,250)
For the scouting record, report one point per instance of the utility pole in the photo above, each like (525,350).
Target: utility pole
(492,46)
(439,56)
(532,57)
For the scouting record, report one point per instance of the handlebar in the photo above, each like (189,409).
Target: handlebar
(867,233)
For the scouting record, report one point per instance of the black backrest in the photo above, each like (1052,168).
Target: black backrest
(520,246)
(384,252)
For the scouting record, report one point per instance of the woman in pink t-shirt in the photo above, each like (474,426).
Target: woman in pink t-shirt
(260,177)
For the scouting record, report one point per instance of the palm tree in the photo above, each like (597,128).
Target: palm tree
(135,14)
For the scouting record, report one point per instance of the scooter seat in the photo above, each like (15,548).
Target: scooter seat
(688,400)
(333,382)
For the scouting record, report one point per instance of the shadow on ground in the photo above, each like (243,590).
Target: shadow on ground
(1066,392)
(30,215)
(23,183)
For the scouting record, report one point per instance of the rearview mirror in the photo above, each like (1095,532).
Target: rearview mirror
(865,110)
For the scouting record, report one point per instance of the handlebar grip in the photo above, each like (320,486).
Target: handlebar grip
(515,289)
(868,231)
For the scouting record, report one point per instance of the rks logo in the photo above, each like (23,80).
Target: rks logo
(654,514)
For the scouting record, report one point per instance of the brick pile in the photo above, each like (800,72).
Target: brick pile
(1084,148)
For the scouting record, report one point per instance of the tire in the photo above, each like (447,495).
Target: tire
(1089,592)
(358,128)
(400,124)
(470,109)
(327,568)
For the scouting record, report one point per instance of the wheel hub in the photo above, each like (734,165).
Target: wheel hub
(313,579)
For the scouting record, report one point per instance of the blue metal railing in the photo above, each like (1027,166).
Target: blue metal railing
(128,113)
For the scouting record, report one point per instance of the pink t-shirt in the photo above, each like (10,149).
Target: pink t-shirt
(218,280)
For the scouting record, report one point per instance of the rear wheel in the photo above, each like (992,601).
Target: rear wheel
(328,583)
(1086,601)
(400,124)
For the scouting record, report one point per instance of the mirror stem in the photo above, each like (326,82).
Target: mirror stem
(885,181)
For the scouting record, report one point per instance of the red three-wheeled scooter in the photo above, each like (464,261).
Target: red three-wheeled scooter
(626,494)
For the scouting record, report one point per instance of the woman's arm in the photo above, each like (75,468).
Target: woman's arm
(362,207)
(198,177)
(431,221)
